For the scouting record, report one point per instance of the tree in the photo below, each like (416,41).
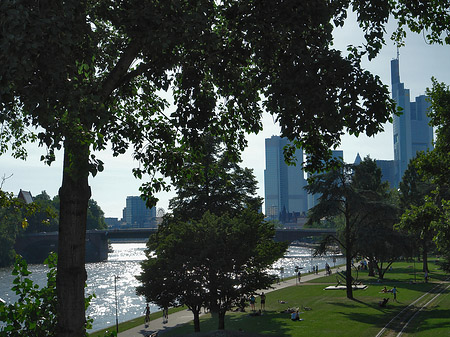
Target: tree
(45,219)
(429,215)
(213,262)
(415,192)
(355,193)
(95,216)
(378,241)
(337,198)
(215,245)
(12,222)
(212,180)
(171,273)
(86,74)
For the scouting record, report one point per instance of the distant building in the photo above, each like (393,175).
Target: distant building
(25,196)
(387,171)
(412,132)
(283,183)
(136,213)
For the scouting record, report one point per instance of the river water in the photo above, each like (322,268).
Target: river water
(116,276)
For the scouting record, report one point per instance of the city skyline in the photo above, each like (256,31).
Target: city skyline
(418,63)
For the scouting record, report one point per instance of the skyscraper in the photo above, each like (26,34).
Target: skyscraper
(137,214)
(283,184)
(412,132)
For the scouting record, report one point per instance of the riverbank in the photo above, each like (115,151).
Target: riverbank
(332,313)
(184,316)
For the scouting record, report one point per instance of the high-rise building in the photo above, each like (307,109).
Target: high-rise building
(137,214)
(412,132)
(283,184)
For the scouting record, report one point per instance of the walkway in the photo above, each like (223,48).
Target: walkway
(185,316)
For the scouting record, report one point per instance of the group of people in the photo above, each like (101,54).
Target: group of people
(165,313)
(394,291)
(252,301)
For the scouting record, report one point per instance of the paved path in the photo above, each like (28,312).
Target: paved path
(185,316)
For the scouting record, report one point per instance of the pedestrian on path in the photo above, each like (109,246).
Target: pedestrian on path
(147,315)
(263,301)
(394,292)
(165,315)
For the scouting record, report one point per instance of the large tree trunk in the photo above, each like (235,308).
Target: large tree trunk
(196,320)
(222,319)
(71,274)
(348,279)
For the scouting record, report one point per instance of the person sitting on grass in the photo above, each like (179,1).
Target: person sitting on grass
(383,302)
(295,316)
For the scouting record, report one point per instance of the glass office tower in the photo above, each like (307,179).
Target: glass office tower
(283,184)
(412,132)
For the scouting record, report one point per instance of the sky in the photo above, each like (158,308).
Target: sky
(419,62)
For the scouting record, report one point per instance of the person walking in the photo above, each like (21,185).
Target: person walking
(147,315)
(263,301)
(394,292)
(165,315)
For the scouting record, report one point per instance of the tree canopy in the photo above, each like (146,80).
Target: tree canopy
(427,215)
(357,195)
(84,75)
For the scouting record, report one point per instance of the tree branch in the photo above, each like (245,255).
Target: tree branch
(116,76)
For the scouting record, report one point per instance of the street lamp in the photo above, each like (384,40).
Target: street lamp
(117,303)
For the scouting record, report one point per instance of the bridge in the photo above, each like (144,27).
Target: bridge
(36,247)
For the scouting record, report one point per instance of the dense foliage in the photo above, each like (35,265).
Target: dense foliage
(214,249)
(83,75)
(13,221)
(215,262)
(428,216)
(356,194)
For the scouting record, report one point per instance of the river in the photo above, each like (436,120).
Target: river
(122,266)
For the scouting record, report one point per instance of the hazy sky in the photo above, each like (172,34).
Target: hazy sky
(418,63)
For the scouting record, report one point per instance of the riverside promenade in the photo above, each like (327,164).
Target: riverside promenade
(185,316)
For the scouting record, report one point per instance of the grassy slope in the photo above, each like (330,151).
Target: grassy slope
(333,314)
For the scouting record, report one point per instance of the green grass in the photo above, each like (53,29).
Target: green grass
(333,314)
(123,326)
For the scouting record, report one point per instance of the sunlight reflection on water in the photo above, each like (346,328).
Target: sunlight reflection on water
(124,262)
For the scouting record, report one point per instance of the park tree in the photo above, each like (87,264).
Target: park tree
(214,262)
(378,240)
(12,223)
(417,209)
(45,219)
(215,245)
(95,216)
(211,179)
(356,194)
(428,216)
(84,75)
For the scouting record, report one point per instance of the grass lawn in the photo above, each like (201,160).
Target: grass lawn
(123,326)
(332,314)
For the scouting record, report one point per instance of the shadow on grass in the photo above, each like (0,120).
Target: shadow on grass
(270,323)
(378,320)
(433,319)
